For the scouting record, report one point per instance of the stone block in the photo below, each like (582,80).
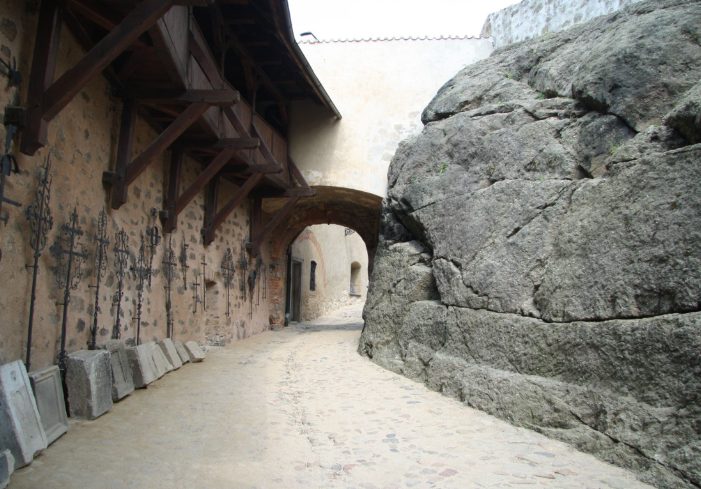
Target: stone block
(21,431)
(170,353)
(122,380)
(48,393)
(143,370)
(196,353)
(7,466)
(159,359)
(89,383)
(182,352)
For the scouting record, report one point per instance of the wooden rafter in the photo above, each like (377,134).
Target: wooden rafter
(147,95)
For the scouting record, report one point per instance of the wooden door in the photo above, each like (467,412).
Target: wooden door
(296,284)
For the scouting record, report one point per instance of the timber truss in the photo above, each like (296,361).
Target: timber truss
(159,62)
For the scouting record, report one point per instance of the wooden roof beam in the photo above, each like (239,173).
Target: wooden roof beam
(147,95)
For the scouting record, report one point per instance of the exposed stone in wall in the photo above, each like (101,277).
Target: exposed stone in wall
(82,144)
(540,247)
(533,18)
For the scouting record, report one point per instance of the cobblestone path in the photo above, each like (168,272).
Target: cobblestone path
(299,408)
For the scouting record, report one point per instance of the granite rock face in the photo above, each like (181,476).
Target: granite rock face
(540,250)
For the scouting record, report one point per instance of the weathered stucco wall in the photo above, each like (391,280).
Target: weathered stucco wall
(82,142)
(380,87)
(533,18)
(334,251)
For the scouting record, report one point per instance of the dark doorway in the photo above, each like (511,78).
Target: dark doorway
(295,290)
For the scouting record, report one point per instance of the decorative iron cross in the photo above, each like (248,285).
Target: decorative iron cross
(227,270)
(38,213)
(196,291)
(243,270)
(154,239)
(70,256)
(168,266)
(204,282)
(141,268)
(121,260)
(183,261)
(101,243)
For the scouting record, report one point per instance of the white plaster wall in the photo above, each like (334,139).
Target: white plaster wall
(533,18)
(334,252)
(380,88)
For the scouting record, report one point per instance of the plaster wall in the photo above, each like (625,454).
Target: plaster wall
(533,18)
(82,144)
(334,251)
(380,88)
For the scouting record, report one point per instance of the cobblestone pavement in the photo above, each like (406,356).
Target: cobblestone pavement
(299,408)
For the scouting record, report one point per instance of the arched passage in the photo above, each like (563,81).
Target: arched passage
(351,208)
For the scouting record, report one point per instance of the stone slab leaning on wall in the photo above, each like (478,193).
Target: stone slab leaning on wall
(21,430)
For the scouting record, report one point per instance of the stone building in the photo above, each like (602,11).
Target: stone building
(174,119)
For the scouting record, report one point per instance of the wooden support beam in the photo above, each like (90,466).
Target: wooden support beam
(203,58)
(210,209)
(117,179)
(267,154)
(256,214)
(277,218)
(138,21)
(203,179)
(169,216)
(300,192)
(43,68)
(165,139)
(238,143)
(95,14)
(235,121)
(148,95)
(232,204)
(296,173)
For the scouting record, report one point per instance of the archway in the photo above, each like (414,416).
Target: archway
(353,209)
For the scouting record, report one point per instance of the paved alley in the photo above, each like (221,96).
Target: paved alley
(299,408)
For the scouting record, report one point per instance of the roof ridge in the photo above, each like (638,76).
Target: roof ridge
(390,38)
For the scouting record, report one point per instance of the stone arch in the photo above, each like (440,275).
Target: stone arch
(354,209)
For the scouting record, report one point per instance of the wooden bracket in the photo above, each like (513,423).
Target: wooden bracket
(229,207)
(277,218)
(169,216)
(125,174)
(50,97)
(150,95)
(209,172)
(210,209)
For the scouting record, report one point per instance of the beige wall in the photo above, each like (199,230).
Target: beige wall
(82,141)
(334,251)
(380,88)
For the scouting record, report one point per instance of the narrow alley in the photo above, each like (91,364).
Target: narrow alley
(299,408)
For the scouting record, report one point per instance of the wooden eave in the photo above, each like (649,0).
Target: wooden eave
(160,62)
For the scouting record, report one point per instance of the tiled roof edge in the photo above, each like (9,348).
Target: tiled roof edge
(389,39)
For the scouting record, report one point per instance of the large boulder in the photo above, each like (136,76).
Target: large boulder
(540,251)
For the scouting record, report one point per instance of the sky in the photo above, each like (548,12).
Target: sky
(353,19)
